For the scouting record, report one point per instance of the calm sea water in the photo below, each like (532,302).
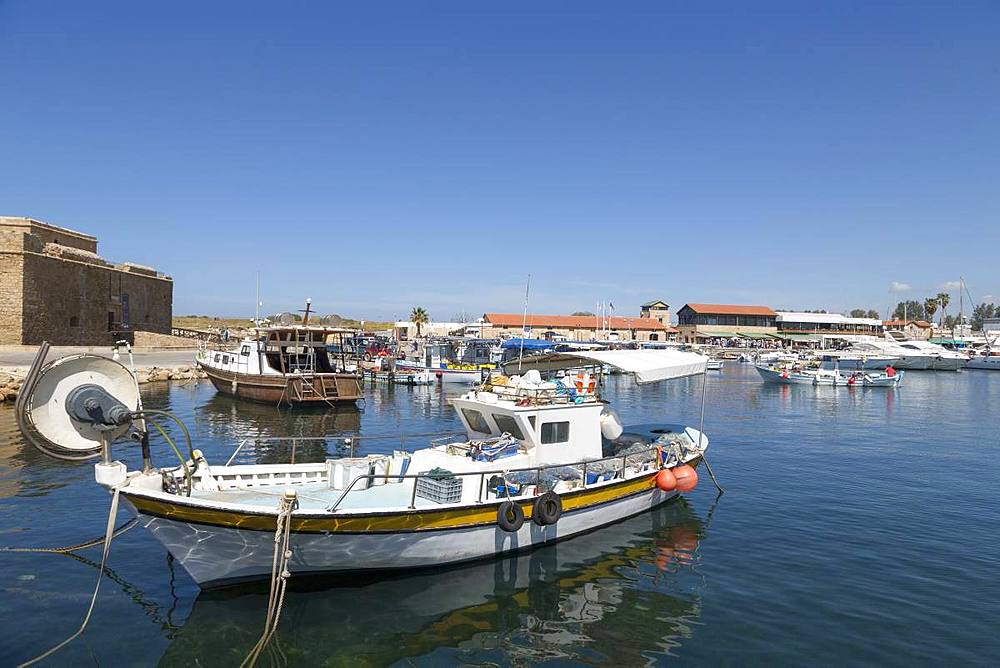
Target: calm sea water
(858,526)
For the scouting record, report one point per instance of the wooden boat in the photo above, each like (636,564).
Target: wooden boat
(536,463)
(285,364)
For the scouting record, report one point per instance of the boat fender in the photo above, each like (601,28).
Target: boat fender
(666,481)
(547,509)
(686,476)
(510,516)
(611,424)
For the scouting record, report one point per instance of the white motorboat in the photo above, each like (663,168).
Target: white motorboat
(538,462)
(913,354)
(714,365)
(851,360)
(775,357)
(986,359)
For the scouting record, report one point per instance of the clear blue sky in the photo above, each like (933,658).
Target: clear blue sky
(384,155)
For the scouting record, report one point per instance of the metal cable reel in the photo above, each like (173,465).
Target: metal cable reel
(74,407)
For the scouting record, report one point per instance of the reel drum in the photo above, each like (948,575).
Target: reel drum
(45,418)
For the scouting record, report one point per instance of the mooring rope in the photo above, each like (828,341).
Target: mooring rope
(279,576)
(108,536)
(125,526)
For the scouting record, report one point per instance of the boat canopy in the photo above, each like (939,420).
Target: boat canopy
(649,366)
(530,344)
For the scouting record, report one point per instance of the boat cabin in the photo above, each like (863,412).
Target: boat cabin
(283,350)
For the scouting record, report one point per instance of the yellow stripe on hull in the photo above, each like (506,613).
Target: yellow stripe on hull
(404,520)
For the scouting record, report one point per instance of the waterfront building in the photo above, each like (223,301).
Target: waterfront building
(913,329)
(991,325)
(805,327)
(55,287)
(698,323)
(405,330)
(657,310)
(576,327)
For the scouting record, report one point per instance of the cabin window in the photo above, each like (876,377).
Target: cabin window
(531,421)
(245,351)
(555,432)
(476,421)
(225,359)
(217,356)
(508,424)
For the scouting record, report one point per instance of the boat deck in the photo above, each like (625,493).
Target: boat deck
(318,496)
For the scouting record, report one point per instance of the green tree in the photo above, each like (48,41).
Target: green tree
(930,307)
(859,313)
(909,310)
(418,316)
(873,314)
(982,312)
(942,299)
(583,313)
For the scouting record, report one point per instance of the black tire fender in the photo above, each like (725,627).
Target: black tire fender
(510,516)
(547,509)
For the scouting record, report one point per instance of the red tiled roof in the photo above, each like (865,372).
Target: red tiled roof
(574,321)
(729,309)
(923,324)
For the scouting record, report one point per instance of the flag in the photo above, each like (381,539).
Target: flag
(611,305)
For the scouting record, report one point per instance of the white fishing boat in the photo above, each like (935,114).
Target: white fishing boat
(537,462)
(796,375)
(812,375)
(714,365)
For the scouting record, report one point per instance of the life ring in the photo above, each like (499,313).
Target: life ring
(547,509)
(510,516)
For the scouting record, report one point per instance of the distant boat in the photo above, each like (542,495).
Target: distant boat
(283,364)
(714,365)
(405,377)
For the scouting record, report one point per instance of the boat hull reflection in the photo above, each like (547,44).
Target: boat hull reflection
(578,600)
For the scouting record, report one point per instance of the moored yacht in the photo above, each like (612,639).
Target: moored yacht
(912,353)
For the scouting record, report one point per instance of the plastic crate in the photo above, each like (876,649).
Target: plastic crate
(440,490)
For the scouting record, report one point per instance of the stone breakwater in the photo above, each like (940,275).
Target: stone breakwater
(12,378)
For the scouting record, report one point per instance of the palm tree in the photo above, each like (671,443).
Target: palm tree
(930,307)
(942,299)
(418,316)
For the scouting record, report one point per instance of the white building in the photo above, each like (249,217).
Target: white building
(798,326)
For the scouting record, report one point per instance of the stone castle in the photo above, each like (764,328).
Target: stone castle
(55,287)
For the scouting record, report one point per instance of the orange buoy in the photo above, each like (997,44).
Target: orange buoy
(687,478)
(666,480)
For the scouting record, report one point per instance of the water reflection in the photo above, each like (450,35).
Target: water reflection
(617,595)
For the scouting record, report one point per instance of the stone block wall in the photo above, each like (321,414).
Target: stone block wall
(76,303)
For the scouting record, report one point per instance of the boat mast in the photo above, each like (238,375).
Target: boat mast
(524,323)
